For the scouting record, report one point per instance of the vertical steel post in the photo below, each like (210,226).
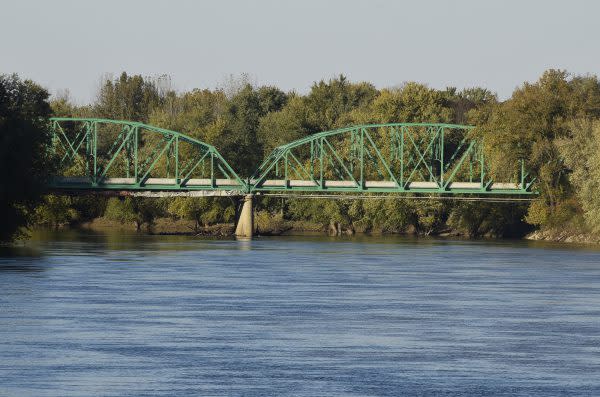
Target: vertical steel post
(168,158)
(392,135)
(312,155)
(471,166)
(351,152)
(95,147)
(212,169)
(431,155)
(135,155)
(285,172)
(442,156)
(321,161)
(88,148)
(362,158)
(481,164)
(402,130)
(127,141)
(177,160)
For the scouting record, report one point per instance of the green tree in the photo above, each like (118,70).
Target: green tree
(528,126)
(203,211)
(62,106)
(24,155)
(198,113)
(136,210)
(329,103)
(467,100)
(230,124)
(389,215)
(431,215)
(581,153)
(331,214)
(480,218)
(128,98)
(277,128)
(239,142)
(55,211)
(411,103)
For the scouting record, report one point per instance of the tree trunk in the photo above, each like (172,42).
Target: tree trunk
(333,231)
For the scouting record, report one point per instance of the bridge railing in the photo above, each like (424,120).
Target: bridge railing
(124,155)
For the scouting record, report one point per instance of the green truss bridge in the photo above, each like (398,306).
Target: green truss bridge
(130,158)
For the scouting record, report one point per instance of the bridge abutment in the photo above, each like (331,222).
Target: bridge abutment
(245,221)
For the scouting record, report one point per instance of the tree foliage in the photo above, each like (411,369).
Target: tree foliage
(581,153)
(55,211)
(25,158)
(128,98)
(136,210)
(529,126)
(551,123)
(203,211)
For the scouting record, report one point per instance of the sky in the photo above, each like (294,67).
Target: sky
(71,44)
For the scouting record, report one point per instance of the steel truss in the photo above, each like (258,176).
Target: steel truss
(101,154)
(106,154)
(399,158)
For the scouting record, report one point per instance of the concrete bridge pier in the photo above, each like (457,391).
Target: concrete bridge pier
(245,221)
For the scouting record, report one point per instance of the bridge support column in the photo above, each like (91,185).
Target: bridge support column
(245,222)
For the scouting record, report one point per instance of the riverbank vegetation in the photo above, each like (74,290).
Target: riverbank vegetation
(25,160)
(553,123)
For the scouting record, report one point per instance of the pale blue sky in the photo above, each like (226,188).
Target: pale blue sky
(497,44)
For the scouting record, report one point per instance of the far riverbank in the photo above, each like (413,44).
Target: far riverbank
(278,227)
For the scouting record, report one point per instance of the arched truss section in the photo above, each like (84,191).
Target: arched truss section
(402,157)
(124,155)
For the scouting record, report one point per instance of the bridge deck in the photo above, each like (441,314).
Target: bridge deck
(387,187)
(233,187)
(83,182)
(281,183)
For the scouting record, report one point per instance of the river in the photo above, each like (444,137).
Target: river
(132,315)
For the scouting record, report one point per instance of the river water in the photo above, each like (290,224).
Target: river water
(128,315)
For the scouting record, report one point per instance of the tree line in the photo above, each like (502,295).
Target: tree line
(553,123)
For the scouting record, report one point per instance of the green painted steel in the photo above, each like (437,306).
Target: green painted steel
(435,158)
(399,157)
(106,154)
